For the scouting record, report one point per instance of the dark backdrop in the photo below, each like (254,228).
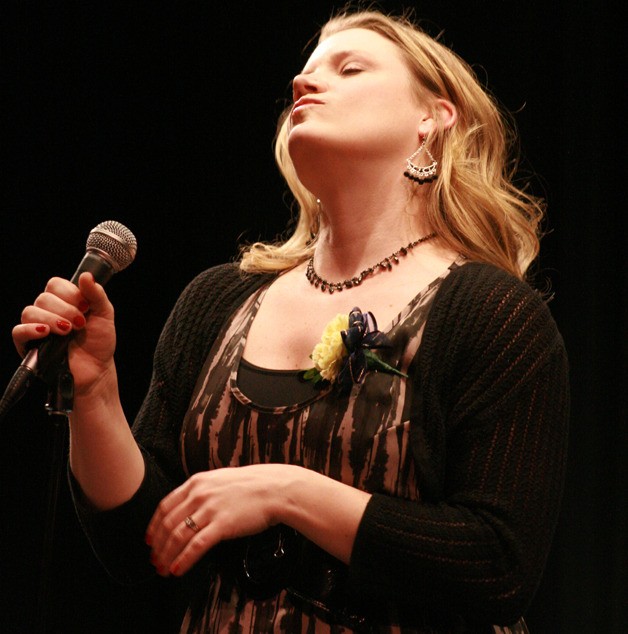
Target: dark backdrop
(161,116)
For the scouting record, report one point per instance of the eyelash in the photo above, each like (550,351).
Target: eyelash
(350,70)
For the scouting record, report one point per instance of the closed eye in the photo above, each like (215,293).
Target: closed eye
(351,70)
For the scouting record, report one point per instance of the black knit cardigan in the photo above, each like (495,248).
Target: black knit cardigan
(488,435)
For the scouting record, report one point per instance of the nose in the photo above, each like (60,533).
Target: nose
(306,83)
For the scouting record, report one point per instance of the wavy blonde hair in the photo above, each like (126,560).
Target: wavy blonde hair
(474,205)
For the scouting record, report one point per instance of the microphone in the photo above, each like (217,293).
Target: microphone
(110,248)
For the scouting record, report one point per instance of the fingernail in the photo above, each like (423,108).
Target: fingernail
(40,328)
(63,325)
(174,569)
(83,306)
(79,321)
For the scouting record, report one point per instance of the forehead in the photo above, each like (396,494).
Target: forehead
(362,41)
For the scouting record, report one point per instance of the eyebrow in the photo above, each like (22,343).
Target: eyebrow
(338,55)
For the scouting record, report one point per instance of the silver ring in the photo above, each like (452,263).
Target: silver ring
(190,523)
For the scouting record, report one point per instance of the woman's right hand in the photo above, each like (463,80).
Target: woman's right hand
(83,311)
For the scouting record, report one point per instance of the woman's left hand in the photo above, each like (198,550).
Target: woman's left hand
(219,504)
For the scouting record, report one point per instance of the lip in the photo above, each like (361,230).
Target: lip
(305,101)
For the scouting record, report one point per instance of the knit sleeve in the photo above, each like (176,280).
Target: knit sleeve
(117,536)
(489,433)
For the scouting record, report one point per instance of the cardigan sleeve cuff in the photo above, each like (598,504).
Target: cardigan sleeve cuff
(117,535)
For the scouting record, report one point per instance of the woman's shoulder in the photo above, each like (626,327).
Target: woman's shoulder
(222,280)
(484,299)
(485,322)
(480,283)
(482,274)
(209,298)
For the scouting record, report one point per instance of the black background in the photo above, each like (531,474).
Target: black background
(161,116)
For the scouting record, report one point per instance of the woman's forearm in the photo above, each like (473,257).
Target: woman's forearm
(104,457)
(324,510)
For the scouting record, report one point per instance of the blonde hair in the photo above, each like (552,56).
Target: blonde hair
(474,205)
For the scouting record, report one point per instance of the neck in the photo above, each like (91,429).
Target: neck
(369,209)
(362,226)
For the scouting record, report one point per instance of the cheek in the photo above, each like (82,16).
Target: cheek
(389,103)
(391,116)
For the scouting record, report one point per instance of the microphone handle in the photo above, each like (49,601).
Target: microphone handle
(98,264)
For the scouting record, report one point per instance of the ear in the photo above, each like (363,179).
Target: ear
(444,115)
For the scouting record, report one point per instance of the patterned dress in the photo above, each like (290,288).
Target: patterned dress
(361,439)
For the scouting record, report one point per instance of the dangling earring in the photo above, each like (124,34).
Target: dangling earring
(315,225)
(425,173)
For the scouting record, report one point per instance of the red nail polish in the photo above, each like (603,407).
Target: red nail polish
(63,325)
(83,306)
(79,321)
(40,328)
(174,569)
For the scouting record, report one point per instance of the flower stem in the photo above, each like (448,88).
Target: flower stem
(373,362)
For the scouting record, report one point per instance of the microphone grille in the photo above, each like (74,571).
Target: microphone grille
(116,241)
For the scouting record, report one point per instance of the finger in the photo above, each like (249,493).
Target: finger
(177,529)
(24,333)
(168,529)
(190,539)
(64,298)
(61,298)
(201,543)
(94,294)
(64,289)
(58,310)
(60,318)
(155,531)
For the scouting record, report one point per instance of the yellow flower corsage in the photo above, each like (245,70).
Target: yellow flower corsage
(345,353)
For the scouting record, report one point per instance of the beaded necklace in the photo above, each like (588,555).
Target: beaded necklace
(384,265)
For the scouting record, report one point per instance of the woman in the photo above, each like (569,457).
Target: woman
(405,476)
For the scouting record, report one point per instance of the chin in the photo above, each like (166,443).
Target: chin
(303,140)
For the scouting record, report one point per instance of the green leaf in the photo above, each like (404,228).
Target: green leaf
(312,375)
(373,362)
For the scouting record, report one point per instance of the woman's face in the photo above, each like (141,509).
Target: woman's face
(355,95)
